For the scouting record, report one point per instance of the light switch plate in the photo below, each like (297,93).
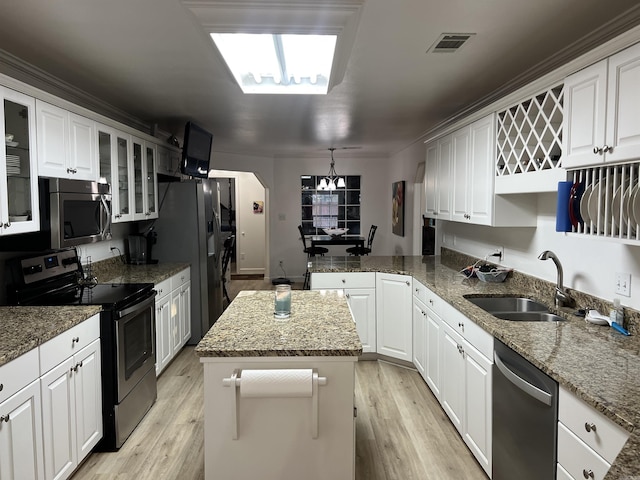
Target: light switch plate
(623,284)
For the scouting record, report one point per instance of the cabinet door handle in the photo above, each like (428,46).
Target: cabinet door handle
(1,386)
(344,281)
(588,426)
(597,150)
(5,418)
(75,340)
(408,283)
(607,149)
(348,296)
(587,473)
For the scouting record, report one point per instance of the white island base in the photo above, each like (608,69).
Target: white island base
(275,434)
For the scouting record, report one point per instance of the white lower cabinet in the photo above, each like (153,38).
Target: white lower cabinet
(21,454)
(360,291)
(588,442)
(466,386)
(362,302)
(71,411)
(173,317)
(394,316)
(420,337)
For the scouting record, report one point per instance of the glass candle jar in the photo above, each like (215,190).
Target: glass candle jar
(282,301)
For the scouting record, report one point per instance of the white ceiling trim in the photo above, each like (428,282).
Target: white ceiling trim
(329,18)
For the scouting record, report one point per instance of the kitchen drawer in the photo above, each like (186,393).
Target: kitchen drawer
(180,278)
(18,373)
(163,288)
(471,332)
(562,474)
(577,458)
(607,439)
(330,281)
(69,342)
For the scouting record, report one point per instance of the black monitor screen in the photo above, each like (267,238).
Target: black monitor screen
(196,151)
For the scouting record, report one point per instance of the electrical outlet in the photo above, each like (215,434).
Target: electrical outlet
(623,284)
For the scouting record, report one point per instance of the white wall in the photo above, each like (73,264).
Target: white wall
(402,166)
(286,213)
(589,264)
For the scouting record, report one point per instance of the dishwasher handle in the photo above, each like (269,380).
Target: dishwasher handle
(522,384)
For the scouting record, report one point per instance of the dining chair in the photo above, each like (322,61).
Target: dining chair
(311,252)
(364,250)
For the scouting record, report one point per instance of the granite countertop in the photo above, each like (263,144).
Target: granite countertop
(320,325)
(24,328)
(117,272)
(596,363)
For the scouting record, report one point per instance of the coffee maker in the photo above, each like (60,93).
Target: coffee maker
(140,246)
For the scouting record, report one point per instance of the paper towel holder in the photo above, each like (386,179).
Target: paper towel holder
(235,380)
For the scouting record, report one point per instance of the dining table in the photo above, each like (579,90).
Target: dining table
(319,240)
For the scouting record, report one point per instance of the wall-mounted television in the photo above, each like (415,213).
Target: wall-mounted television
(196,151)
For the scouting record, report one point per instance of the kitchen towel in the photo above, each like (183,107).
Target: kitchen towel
(563,221)
(277,383)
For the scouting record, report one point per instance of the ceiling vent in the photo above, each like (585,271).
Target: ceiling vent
(450,42)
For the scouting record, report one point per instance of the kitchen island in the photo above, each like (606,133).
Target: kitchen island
(293,417)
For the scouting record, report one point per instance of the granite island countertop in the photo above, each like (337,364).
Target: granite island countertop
(25,328)
(596,363)
(320,325)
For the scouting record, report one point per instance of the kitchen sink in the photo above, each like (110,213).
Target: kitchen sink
(517,309)
(528,316)
(507,304)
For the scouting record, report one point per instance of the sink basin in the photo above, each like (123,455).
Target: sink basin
(516,309)
(508,304)
(529,316)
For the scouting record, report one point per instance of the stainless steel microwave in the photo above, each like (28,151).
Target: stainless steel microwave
(72,212)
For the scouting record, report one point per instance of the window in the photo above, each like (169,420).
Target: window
(338,208)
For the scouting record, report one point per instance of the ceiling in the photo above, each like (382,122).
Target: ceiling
(154,60)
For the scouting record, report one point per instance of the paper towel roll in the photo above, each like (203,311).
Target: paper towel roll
(277,383)
(563,221)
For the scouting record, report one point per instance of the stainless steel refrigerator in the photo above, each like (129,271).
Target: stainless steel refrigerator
(188,230)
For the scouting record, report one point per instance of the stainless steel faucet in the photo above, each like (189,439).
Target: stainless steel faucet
(562,297)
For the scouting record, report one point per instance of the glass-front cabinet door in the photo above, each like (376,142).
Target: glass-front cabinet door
(151,191)
(19,210)
(113,149)
(138,176)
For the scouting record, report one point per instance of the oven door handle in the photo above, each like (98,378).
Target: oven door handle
(137,306)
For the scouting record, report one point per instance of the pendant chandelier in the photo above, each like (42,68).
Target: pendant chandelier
(332,180)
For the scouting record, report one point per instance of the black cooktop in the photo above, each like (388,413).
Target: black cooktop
(107,295)
(56,278)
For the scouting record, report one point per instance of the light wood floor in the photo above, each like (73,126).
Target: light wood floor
(402,433)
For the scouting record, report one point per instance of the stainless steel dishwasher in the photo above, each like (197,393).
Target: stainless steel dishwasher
(525,417)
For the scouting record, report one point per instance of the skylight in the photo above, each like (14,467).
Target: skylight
(278,64)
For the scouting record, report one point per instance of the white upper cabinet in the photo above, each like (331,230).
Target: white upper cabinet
(431,180)
(462,188)
(19,212)
(443,194)
(601,111)
(66,144)
(145,180)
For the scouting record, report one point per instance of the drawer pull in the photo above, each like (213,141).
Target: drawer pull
(4,418)
(587,473)
(75,340)
(590,426)
(1,386)
(348,296)
(344,281)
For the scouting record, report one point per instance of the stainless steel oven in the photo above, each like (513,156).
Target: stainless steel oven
(135,340)
(127,331)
